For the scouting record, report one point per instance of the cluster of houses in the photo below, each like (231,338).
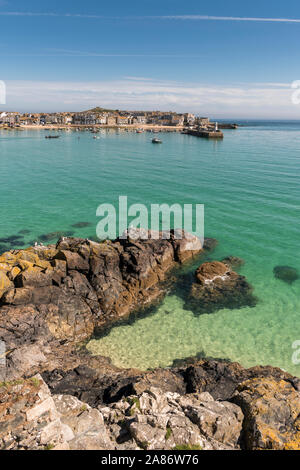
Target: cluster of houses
(102,117)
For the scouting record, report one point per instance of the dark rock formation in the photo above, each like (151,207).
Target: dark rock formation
(104,385)
(286,274)
(100,383)
(82,224)
(221,378)
(217,287)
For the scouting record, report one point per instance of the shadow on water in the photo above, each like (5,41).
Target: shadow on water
(189,361)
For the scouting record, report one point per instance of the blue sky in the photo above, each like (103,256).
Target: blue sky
(217,58)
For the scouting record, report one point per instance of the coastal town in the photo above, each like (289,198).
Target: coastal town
(99,117)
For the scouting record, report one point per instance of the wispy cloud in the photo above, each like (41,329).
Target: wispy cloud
(230,18)
(165,17)
(74,53)
(242,100)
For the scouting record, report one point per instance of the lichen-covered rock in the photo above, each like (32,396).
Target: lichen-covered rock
(271,411)
(263,413)
(5,283)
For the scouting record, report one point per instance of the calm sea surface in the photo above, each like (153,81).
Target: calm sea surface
(249,184)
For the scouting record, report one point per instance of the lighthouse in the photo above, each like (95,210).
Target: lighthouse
(216,127)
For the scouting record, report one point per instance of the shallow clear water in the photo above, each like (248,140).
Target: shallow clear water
(249,184)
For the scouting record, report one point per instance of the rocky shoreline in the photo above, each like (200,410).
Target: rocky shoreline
(54,395)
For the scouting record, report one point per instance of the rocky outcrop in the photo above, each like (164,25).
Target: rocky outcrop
(32,419)
(262,414)
(98,383)
(217,287)
(61,293)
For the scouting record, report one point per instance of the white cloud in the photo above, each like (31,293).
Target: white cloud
(242,100)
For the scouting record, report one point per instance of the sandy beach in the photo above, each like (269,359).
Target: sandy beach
(145,127)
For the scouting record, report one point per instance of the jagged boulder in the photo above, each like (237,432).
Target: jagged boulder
(217,287)
(220,378)
(86,424)
(28,417)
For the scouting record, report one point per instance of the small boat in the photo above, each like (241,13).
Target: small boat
(156,141)
(52,136)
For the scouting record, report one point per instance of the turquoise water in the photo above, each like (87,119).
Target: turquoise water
(249,184)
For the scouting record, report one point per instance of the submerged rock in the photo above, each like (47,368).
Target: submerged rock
(54,236)
(286,274)
(81,224)
(217,287)
(11,239)
(233,262)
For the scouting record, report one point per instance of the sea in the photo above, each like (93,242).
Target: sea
(249,184)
